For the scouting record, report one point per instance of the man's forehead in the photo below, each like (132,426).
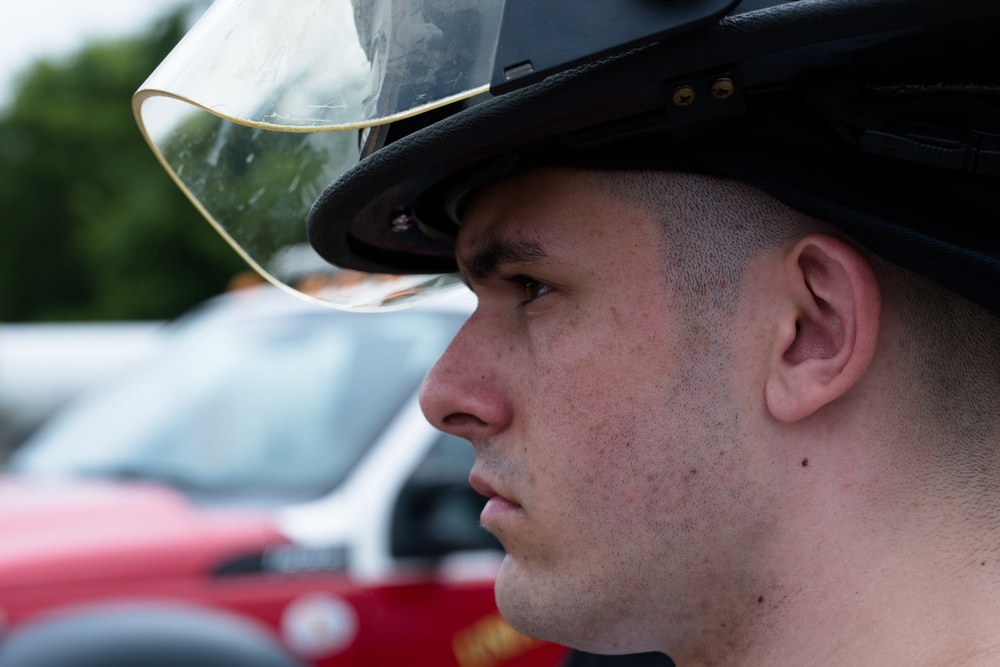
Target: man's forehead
(509,220)
(558,216)
(480,258)
(531,199)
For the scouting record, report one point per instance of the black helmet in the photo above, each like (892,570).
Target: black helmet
(881,117)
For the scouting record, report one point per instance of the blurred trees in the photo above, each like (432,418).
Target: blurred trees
(92,227)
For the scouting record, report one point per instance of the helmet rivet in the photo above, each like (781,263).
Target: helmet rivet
(401,223)
(722,88)
(683,96)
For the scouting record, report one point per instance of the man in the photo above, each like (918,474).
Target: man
(733,378)
(715,446)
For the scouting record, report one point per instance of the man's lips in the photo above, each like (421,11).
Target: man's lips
(497,505)
(479,483)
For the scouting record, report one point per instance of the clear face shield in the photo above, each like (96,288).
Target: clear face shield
(263,104)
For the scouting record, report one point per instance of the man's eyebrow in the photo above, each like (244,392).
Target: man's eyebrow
(484,259)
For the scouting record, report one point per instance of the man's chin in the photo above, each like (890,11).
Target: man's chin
(516,598)
(527,603)
(542,606)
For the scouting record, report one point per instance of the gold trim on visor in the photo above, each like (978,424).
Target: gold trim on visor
(257,109)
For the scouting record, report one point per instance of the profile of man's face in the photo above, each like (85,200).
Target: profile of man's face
(605,423)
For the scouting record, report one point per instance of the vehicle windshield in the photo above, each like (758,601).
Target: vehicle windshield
(272,409)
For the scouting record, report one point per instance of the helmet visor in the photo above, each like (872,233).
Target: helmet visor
(259,108)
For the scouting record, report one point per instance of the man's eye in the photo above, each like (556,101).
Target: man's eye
(532,289)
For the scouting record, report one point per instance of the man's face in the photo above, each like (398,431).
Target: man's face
(602,417)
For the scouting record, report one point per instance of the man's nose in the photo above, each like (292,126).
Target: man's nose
(464,393)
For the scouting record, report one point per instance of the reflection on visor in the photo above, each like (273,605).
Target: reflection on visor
(331,64)
(256,111)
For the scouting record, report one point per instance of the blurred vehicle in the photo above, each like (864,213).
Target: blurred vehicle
(265,491)
(43,366)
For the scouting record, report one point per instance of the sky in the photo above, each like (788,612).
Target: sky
(51,28)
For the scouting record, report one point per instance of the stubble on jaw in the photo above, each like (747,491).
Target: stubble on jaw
(722,519)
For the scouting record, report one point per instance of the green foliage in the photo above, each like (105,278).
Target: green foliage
(92,227)
(259,185)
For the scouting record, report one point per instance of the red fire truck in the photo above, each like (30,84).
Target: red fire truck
(264,492)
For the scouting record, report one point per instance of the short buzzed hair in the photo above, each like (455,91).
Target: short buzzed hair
(712,228)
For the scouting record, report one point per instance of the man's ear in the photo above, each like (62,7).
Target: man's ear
(827,329)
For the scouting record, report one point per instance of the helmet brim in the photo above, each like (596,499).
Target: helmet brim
(391,213)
